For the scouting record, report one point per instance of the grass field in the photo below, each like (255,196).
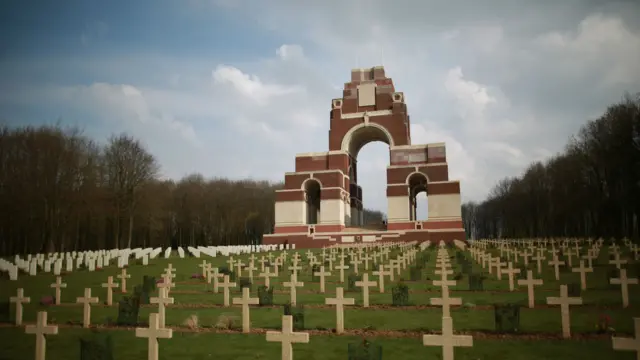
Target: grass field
(397,329)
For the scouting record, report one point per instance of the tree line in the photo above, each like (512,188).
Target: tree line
(62,191)
(590,189)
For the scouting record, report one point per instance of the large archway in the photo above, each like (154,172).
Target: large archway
(377,139)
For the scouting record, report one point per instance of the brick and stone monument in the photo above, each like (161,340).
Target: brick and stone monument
(321,203)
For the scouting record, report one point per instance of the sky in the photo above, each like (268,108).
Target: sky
(236,88)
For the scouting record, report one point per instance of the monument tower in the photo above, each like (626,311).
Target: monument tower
(321,203)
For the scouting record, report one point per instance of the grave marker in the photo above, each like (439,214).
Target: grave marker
(583,274)
(632,344)
(87,300)
(110,285)
(123,279)
(153,333)
(162,300)
(40,330)
(447,340)
(19,300)
(287,337)
(322,275)
(529,283)
(293,284)
(365,284)
(564,301)
(58,285)
(624,283)
(339,301)
(225,286)
(245,301)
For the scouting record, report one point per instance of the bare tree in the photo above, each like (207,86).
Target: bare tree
(129,168)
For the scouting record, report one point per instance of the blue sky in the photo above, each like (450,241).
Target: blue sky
(237,88)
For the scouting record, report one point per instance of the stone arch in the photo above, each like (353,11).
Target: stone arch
(416,173)
(417,183)
(352,142)
(362,134)
(304,183)
(313,199)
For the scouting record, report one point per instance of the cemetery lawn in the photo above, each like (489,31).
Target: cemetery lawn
(398,329)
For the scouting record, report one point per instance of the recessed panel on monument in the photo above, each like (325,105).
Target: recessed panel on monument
(321,203)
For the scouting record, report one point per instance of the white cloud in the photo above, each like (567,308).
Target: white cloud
(290,52)
(601,42)
(472,97)
(250,85)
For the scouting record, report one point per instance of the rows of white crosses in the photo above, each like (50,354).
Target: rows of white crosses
(545,253)
(92,260)
(360,255)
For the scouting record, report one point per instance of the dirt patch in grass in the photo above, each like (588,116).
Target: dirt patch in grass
(209,305)
(357,332)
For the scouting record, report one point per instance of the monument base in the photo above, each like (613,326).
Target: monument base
(308,236)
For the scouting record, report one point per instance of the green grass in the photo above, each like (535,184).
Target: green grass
(384,326)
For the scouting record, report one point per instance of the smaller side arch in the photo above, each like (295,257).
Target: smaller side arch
(304,183)
(419,173)
(416,183)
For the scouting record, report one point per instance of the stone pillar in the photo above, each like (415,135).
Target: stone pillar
(398,209)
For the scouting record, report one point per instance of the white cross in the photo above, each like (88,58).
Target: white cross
(87,300)
(322,275)
(342,267)
(40,330)
(262,261)
(538,259)
(445,301)
(583,274)
(293,284)
(365,284)
(19,300)
(245,301)
(590,256)
(339,301)
(153,333)
(355,262)
(226,285)
(239,265)
(632,344)
(287,337)
(295,267)
(123,280)
(564,301)
(556,265)
(624,283)
(617,262)
(366,258)
(162,300)
(250,269)
(266,274)
(447,340)
(170,269)
(58,285)
(380,274)
(204,267)
(529,283)
(511,272)
(110,285)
